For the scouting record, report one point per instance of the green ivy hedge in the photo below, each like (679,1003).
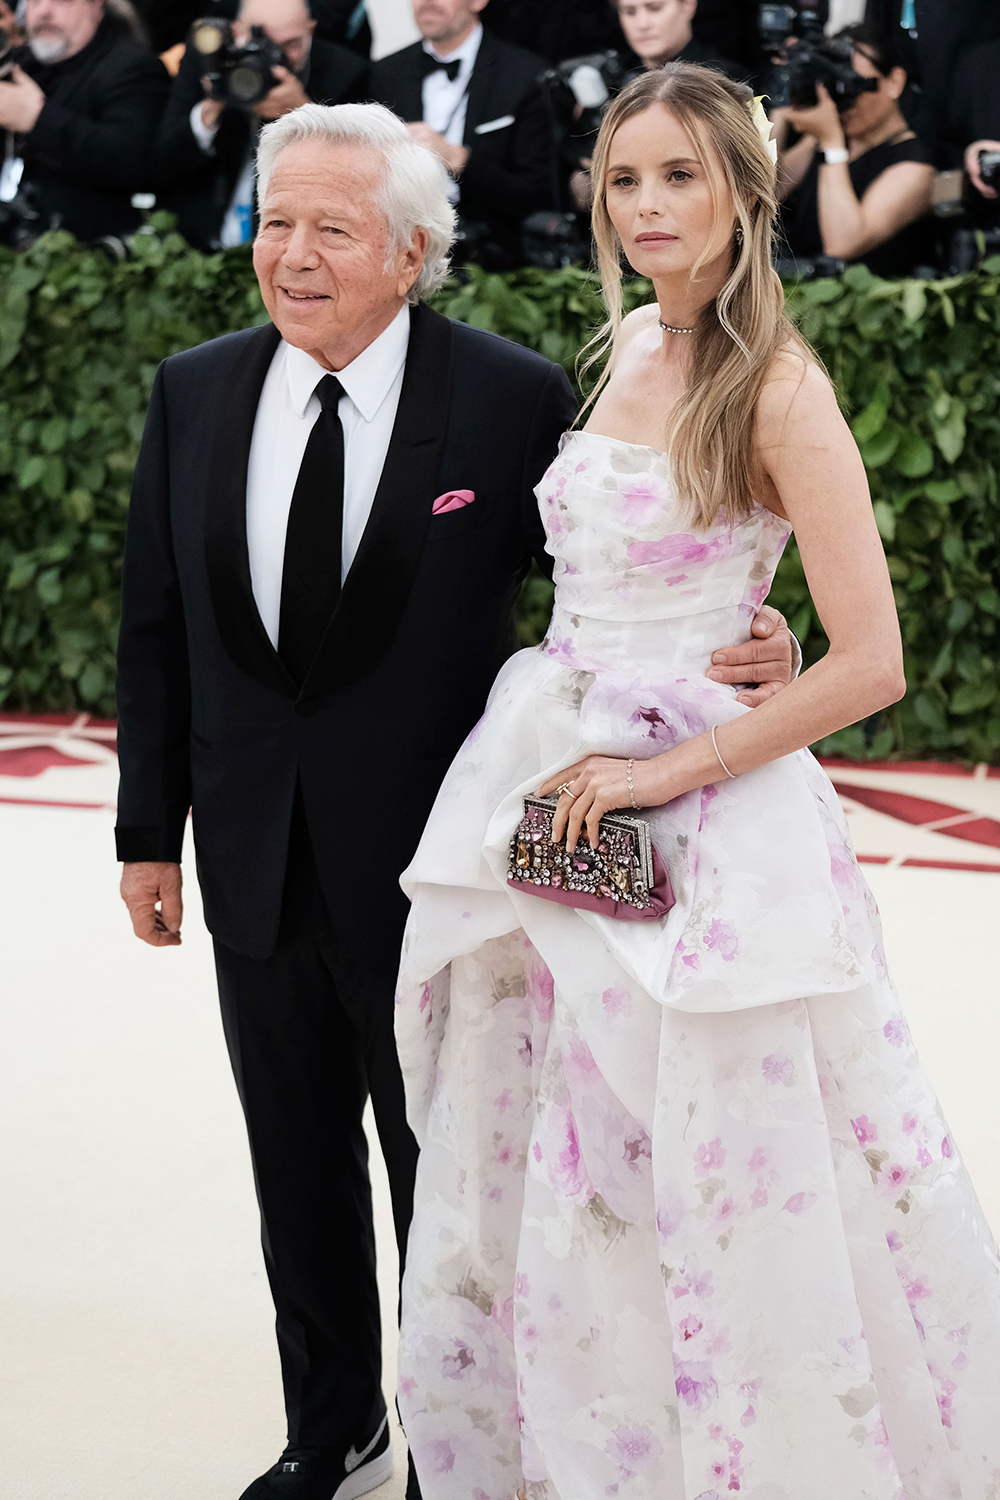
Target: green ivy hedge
(915,364)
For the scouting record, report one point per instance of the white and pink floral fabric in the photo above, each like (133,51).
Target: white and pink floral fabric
(689,1224)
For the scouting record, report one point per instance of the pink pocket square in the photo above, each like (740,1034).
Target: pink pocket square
(452,500)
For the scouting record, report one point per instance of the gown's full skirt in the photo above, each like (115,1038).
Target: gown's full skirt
(689,1223)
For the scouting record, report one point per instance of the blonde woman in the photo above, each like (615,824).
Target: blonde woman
(689,1223)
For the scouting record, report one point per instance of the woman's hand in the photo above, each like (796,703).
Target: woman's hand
(599,785)
(822,121)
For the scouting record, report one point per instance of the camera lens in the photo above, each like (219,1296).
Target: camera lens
(206,38)
(246,85)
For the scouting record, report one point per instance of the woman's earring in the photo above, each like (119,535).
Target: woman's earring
(739,234)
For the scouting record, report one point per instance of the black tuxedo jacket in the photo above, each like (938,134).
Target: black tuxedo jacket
(508,173)
(208,716)
(89,150)
(198,188)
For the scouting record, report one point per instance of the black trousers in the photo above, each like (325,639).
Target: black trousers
(305,1062)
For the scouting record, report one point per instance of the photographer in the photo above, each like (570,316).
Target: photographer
(656,32)
(80,108)
(976,120)
(857,186)
(204,150)
(662,31)
(475,102)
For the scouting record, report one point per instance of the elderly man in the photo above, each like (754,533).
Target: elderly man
(331,519)
(80,108)
(204,150)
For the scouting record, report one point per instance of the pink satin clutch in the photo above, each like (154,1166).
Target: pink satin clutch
(452,500)
(623,877)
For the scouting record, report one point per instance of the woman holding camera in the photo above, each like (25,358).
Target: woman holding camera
(857,185)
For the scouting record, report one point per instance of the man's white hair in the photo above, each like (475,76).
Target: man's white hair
(412,192)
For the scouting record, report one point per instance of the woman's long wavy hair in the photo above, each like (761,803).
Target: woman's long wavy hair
(710,433)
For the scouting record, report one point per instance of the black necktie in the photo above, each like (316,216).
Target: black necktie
(434,64)
(310,578)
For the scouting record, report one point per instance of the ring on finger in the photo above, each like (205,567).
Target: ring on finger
(565,788)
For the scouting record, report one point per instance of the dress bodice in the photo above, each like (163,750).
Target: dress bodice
(633,581)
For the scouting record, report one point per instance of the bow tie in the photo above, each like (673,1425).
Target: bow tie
(435,65)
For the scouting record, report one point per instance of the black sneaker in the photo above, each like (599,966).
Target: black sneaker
(327,1473)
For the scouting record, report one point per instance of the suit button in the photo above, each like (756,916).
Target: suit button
(307,709)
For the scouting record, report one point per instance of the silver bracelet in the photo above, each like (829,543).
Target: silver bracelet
(631,788)
(722,763)
(834,155)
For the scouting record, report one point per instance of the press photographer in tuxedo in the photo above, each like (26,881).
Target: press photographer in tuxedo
(329,526)
(474,100)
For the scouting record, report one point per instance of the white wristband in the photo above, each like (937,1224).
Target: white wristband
(834,154)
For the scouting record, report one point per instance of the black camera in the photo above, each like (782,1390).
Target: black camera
(552,240)
(989,168)
(20,224)
(810,58)
(240,73)
(587,84)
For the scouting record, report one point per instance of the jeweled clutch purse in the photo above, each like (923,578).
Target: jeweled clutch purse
(623,877)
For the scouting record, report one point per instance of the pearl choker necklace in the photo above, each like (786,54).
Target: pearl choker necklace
(668,328)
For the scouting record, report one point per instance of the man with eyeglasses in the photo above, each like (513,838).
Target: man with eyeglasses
(79,107)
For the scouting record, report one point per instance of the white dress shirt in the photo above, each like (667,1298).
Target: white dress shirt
(446,103)
(287,409)
(237,226)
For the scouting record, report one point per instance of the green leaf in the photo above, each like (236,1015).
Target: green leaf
(943,491)
(31,471)
(54,478)
(879,449)
(914,457)
(950,434)
(91,682)
(22,572)
(914,300)
(48,586)
(79,505)
(929,711)
(867,423)
(885,520)
(53,434)
(883,743)
(970,696)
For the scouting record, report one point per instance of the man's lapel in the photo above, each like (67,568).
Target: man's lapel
(409,103)
(227,553)
(376,588)
(481,91)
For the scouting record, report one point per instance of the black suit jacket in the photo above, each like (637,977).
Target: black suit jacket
(89,150)
(209,717)
(198,188)
(508,173)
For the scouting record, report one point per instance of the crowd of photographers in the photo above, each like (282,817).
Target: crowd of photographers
(886,113)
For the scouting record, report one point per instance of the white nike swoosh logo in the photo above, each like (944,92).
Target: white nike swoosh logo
(354,1458)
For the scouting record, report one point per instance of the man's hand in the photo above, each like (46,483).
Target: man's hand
(454,157)
(766,660)
(143,885)
(286,95)
(21,102)
(211,109)
(972,166)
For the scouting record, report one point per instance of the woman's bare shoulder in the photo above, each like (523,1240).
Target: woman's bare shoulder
(637,320)
(795,388)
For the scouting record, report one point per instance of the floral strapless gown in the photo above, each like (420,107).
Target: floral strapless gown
(689,1223)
